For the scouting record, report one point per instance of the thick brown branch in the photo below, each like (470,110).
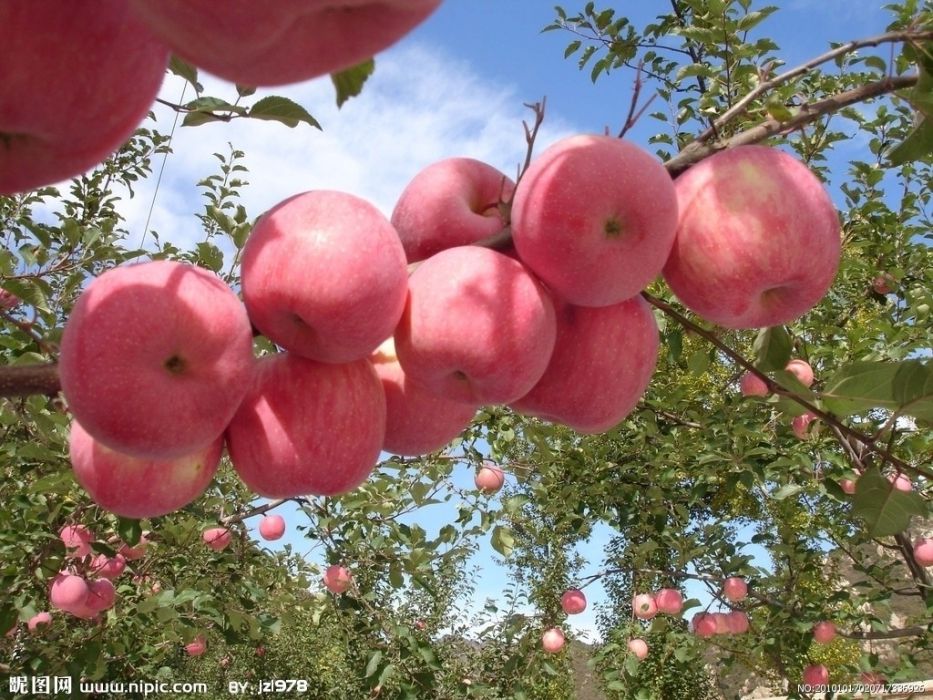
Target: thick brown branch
(27,380)
(697,150)
(889,634)
(258,510)
(742,105)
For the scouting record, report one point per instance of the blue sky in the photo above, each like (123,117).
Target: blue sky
(454,87)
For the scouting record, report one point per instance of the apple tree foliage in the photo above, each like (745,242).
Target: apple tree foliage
(697,484)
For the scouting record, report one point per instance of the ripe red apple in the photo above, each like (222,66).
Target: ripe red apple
(704,624)
(601,366)
(272,527)
(753,385)
(847,486)
(450,203)
(137,552)
(573,601)
(135,487)
(417,421)
(644,606)
(722,622)
(67,591)
(884,283)
(594,217)
(758,241)
(802,370)
(217,538)
(260,650)
(8,300)
(669,601)
(553,640)
(420,625)
(736,622)
(478,327)
(824,632)
(801,425)
(490,478)
(816,675)
(923,551)
(196,646)
(287,41)
(734,589)
(337,579)
(78,78)
(308,427)
(42,618)
(639,647)
(77,539)
(101,595)
(155,358)
(108,567)
(324,276)
(901,482)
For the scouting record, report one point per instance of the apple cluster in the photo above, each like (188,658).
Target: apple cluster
(77,78)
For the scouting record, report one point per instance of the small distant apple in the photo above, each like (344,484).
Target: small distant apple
(490,478)
(883,284)
(737,622)
(42,618)
(669,601)
(77,539)
(816,675)
(573,601)
(639,647)
(644,606)
(824,632)
(923,551)
(108,567)
(704,624)
(217,538)
(420,625)
(337,579)
(802,370)
(197,646)
(901,482)
(260,650)
(801,425)
(272,527)
(847,486)
(734,589)
(553,640)
(136,552)
(8,300)
(753,385)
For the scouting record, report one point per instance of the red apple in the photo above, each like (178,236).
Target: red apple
(639,647)
(101,595)
(137,552)
(283,42)
(478,327)
(802,370)
(573,601)
(8,300)
(669,601)
(816,675)
(884,283)
(140,487)
(272,527)
(42,618)
(923,551)
(324,276)
(722,622)
(417,421)
(490,478)
(450,203)
(155,358)
(67,591)
(801,425)
(77,539)
(758,241)
(644,606)
(824,632)
(736,622)
(217,538)
(337,579)
(553,640)
(601,366)
(108,567)
(753,385)
(734,589)
(594,217)
(78,78)
(704,624)
(307,427)
(260,650)
(848,486)
(196,646)
(901,482)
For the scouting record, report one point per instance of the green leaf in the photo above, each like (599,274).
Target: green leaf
(373,664)
(502,540)
(913,389)
(186,71)
(349,83)
(917,146)
(772,348)
(282,109)
(885,510)
(130,531)
(787,491)
(698,362)
(860,386)
(572,48)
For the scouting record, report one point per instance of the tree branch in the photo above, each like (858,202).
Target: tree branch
(26,380)
(890,634)
(742,105)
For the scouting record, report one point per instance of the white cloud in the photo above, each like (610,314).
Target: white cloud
(420,106)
